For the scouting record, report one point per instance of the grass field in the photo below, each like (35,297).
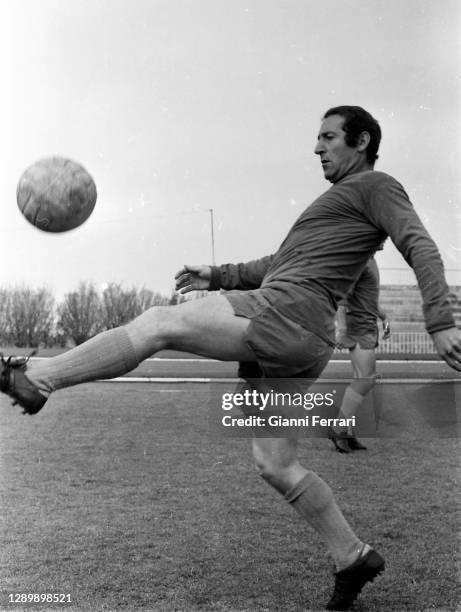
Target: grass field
(117,495)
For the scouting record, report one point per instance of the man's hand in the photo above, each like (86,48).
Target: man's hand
(386,329)
(193,278)
(448,345)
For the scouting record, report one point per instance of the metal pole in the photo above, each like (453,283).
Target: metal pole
(213,261)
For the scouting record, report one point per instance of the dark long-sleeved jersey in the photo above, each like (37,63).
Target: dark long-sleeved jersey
(362,302)
(328,247)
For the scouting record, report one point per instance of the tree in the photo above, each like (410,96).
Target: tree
(122,305)
(80,313)
(31,316)
(118,305)
(148,298)
(5,309)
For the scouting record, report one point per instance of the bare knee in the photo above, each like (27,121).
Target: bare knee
(276,463)
(263,461)
(159,328)
(151,330)
(206,327)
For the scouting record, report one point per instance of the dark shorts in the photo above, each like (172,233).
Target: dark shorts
(365,340)
(283,348)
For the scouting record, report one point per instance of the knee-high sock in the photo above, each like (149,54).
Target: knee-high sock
(107,355)
(313,499)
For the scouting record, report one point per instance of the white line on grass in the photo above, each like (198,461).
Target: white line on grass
(380,381)
(346,360)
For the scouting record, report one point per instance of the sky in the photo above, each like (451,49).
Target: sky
(179,107)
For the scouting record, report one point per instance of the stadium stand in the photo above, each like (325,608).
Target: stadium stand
(403,306)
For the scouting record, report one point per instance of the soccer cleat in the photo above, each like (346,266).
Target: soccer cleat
(340,440)
(355,444)
(350,581)
(15,383)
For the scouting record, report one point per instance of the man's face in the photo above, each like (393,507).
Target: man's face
(337,158)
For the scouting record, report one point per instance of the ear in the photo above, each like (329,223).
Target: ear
(363,141)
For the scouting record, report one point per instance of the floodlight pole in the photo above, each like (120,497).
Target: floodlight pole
(213,261)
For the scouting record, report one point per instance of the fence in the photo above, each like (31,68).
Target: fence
(406,342)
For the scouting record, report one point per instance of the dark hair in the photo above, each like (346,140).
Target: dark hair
(356,121)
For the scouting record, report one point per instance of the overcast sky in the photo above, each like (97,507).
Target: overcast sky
(179,106)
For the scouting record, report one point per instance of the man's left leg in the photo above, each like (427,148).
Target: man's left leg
(356,563)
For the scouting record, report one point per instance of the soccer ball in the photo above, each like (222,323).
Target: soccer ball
(56,194)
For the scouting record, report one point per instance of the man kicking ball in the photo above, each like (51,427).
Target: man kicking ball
(279,317)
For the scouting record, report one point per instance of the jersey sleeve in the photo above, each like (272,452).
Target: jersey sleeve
(240,276)
(391,210)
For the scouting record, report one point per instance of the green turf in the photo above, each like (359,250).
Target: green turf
(118,495)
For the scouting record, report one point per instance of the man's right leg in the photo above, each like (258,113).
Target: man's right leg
(207,327)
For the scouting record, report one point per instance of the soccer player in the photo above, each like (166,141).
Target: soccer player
(358,331)
(278,315)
